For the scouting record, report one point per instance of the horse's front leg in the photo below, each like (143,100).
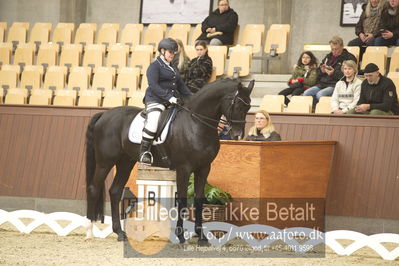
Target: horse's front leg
(200,177)
(182,176)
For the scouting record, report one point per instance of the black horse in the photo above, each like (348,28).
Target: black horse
(191,147)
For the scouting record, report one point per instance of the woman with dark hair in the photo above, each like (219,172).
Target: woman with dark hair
(199,69)
(304,76)
(218,28)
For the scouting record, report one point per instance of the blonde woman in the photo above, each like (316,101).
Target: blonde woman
(347,90)
(181,59)
(263,129)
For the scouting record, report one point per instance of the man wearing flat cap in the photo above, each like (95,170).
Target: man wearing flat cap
(378,94)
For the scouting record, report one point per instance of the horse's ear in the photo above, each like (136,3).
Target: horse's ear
(250,86)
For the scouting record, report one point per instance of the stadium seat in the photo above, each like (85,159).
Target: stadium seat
(298,107)
(116,26)
(136,99)
(253,36)
(65,98)
(190,51)
(39,97)
(180,31)
(144,83)
(323,108)
(395,78)
(46,25)
(213,75)
(40,34)
(114,98)
(128,79)
(24,54)
(272,103)
(62,35)
(161,26)
(140,58)
(325,99)
(355,50)
(240,61)
(3,25)
(70,55)
(70,26)
(118,55)
(107,36)
(89,98)
(16,35)
(47,55)
(307,99)
(8,78)
(2,32)
(79,78)
(92,26)
(84,36)
(24,25)
(31,77)
(218,55)
(376,55)
(276,41)
(394,64)
(284,27)
(16,96)
(131,36)
(55,78)
(103,79)
(5,53)
(196,33)
(94,55)
(153,36)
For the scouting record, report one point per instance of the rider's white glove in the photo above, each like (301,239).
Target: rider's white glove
(173,100)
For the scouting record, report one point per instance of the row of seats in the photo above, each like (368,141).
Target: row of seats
(298,104)
(85,98)
(118,56)
(57,78)
(252,34)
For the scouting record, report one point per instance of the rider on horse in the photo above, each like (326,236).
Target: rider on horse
(165,87)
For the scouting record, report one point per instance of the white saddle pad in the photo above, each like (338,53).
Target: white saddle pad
(136,130)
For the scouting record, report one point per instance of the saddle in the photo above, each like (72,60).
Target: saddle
(164,123)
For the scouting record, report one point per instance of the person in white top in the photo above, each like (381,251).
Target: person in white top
(347,90)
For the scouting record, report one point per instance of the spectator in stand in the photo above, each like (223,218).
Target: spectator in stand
(199,69)
(218,28)
(389,25)
(181,59)
(263,130)
(329,71)
(378,94)
(368,25)
(347,90)
(304,76)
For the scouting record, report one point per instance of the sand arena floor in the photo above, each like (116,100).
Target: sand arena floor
(43,247)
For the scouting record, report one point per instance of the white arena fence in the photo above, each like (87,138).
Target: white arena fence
(76,221)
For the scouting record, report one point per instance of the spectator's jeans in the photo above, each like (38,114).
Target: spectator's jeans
(317,92)
(359,42)
(386,42)
(370,112)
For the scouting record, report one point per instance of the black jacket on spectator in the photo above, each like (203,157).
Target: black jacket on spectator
(198,72)
(381,96)
(389,22)
(163,83)
(325,80)
(225,22)
(274,136)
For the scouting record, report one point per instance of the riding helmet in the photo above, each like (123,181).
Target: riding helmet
(168,44)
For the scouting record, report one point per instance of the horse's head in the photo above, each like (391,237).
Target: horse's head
(235,107)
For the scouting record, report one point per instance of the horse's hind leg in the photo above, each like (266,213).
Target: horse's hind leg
(123,169)
(200,177)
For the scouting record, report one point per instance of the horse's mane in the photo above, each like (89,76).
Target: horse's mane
(217,88)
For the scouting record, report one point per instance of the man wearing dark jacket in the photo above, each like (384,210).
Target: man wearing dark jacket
(378,94)
(329,71)
(218,28)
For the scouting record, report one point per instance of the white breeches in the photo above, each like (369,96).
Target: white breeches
(154,111)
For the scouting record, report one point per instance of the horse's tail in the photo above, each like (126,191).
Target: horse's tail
(95,205)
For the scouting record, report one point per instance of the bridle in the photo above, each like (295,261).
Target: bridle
(203,119)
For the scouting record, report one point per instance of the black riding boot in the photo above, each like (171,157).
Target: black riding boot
(145,154)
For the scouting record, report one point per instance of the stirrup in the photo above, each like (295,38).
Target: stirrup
(143,158)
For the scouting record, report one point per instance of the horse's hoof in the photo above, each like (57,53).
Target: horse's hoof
(122,236)
(203,242)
